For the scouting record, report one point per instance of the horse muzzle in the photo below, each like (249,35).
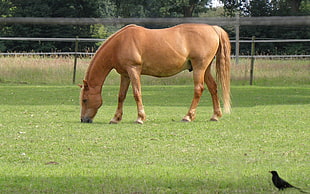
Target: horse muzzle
(86,120)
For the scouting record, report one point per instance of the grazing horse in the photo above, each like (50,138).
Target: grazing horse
(134,51)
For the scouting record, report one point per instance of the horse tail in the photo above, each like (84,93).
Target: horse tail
(223,66)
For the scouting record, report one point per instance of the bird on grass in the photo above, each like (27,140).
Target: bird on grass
(282,184)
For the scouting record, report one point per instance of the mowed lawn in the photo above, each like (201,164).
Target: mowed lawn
(45,149)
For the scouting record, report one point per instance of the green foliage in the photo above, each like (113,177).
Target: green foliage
(146,8)
(231,7)
(45,149)
(266,8)
(159,8)
(187,8)
(107,8)
(100,32)
(49,8)
(257,8)
(6,8)
(276,32)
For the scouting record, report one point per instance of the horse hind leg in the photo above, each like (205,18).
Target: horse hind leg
(212,87)
(124,85)
(198,90)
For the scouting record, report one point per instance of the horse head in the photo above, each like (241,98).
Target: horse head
(91,101)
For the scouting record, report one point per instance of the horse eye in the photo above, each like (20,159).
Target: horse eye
(84,100)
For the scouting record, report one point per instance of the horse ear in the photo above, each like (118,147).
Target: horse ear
(85,84)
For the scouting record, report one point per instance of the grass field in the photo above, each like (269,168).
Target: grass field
(45,149)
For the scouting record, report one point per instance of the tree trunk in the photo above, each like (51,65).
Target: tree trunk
(295,5)
(188,10)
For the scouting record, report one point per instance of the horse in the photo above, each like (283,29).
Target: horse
(134,51)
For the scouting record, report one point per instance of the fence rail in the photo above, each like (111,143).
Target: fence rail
(92,53)
(53,39)
(223,21)
(99,40)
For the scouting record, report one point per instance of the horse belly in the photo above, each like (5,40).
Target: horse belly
(164,60)
(164,67)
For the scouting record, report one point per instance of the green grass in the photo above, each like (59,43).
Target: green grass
(45,149)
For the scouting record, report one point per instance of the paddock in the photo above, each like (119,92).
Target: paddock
(46,149)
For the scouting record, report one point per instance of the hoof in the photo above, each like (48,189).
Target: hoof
(139,122)
(113,122)
(185,121)
(213,119)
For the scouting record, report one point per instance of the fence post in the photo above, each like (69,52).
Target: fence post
(252,60)
(75,58)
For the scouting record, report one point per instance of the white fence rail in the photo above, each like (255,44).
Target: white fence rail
(91,54)
(98,40)
(53,39)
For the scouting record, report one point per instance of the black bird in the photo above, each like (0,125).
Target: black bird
(282,184)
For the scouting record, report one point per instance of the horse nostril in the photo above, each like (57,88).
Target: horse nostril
(86,120)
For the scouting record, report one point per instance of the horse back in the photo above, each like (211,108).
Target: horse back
(164,52)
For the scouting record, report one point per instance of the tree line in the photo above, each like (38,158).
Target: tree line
(151,9)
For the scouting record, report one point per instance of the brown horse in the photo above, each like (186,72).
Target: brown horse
(134,51)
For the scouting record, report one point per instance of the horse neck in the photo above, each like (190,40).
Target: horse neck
(98,70)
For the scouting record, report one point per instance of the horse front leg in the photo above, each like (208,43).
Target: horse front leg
(134,75)
(124,85)
(198,90)
(212,86)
